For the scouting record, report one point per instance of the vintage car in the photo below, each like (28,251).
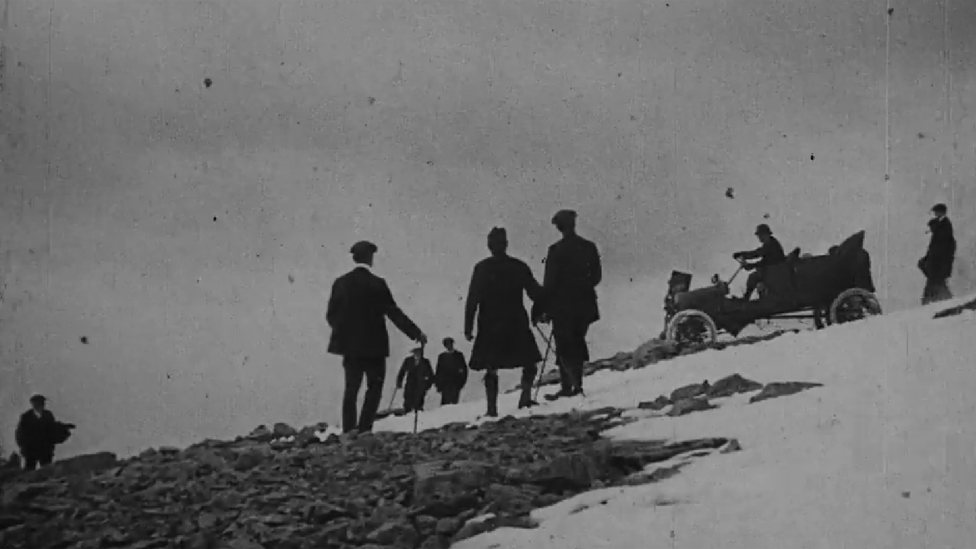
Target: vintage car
(830,289)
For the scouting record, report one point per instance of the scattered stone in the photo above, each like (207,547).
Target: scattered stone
(690,391)
(733,384)
(732,446)
(283,430)
(371,490)
(659,403)
(651,352)
(688,405)
(778,389)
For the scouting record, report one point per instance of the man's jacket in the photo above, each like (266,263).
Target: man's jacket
(452,371)
(359,305)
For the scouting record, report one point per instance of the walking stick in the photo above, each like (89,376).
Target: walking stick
(545,359)
(416,404)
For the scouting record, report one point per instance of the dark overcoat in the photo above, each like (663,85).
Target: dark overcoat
(941,254)
(419,377)
(359,305)
(38,435)
(452,371)
(573,271)
(495,296)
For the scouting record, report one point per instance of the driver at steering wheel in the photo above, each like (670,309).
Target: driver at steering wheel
(770,253)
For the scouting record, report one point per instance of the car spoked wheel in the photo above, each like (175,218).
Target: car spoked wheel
(852,305)
(692,328)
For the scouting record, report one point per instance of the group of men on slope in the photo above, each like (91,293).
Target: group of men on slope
(360,302)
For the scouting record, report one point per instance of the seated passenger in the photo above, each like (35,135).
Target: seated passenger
(770,253)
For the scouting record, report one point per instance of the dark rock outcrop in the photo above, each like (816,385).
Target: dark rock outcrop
(375,490)
(778,389)
(733,384)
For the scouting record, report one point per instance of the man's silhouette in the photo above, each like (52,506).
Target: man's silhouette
(770,253)
(939,258)
(419,377)
(505,339)
(38,433)
(573,271)
(359,305)
(451,374)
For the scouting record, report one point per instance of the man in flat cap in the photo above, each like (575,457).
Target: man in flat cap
(938,260)
(419,377)
(38,433)
(451,374)
(769,253)
(573,271)
(359,305)
(505,340)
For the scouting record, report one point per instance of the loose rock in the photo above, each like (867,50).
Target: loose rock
(688,405)
(779,389)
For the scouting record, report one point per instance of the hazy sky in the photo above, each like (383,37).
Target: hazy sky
(191,232)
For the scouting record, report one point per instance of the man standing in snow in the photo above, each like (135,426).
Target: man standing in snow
(359,305)
(419,377)
(938,260)
(770,253)
(573,271)
(451,374)
(505,340)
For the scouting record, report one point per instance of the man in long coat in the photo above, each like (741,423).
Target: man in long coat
(38,433)
(451,374)
(939,258)
(505,339)
(573,271)
(419,377)
(359,305)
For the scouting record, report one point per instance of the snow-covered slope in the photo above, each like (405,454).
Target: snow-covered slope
(883,455)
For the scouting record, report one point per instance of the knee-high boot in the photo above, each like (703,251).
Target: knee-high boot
(491,392)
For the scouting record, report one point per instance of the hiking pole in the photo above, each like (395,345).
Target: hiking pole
(416,405)
(545,359)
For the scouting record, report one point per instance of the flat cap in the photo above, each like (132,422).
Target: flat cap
(763,229)
(38,398)
(563,216)
(940,208)
(363,247)
(498,232)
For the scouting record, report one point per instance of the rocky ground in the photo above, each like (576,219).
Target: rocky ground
(651,352)
(283,488)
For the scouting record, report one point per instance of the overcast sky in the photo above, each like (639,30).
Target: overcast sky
(182,181)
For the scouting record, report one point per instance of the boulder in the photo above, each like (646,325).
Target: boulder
(778,389)
(690,391)
(659,403)
(733,384)
(686,406)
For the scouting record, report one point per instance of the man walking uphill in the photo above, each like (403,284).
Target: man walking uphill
(938,260)
(505,339)
(573,272)
(359,305)
(419,376)
(451,374)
